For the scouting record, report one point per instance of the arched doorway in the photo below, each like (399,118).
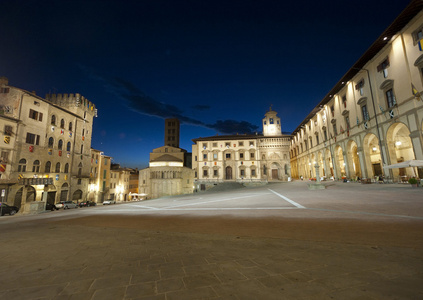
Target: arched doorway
(353,160)
(77,196)
(275,171)
(400,148)
(329,162)
(64,192)
(228,173)
(372,155)
(340,163)
(30,196)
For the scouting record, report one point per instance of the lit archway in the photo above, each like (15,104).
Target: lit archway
(372,155)
(353,160)
(340,163)
(400,148)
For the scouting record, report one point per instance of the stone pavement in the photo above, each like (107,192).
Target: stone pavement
(121,257)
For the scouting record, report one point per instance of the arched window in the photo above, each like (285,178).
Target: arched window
(53,120)
(22,165)
(62,123)
(58,167)
(36,166)
(70,126)
(66,168)
(48,167)
(82,149)
(60,145)
(50,142)
(68,146)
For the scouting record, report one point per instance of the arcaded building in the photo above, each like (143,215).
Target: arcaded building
(246,158)
(45,146)
(373,116)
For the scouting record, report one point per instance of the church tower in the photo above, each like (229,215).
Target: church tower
(271,124)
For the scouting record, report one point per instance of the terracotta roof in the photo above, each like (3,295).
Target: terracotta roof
(167,157)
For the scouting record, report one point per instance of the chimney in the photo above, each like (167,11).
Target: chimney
(4,80)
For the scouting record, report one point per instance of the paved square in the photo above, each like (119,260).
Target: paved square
(280,241)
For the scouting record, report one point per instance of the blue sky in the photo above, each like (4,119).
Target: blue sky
(216,65)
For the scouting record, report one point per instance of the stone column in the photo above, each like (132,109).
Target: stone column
(316,166)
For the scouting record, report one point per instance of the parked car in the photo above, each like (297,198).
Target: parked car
(51,207)
(109,201)
(87,204)
(59,205)
(8,209)
(67,204)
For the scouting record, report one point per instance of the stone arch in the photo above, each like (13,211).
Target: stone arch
(77,195)
(400,148)
(329,163)
(353,160)
(339,161)
(275,171)
(29,196)
(373,158)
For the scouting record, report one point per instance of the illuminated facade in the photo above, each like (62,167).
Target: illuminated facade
(45,146)
(244,158)
(167,174)
(373,117)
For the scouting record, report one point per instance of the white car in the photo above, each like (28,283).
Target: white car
(66,205)
(109,201)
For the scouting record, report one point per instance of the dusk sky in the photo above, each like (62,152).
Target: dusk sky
(215,65)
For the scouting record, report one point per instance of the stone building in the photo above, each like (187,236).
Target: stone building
(45,146)
(373,116)
(172,129)
(167,174)
(253,158)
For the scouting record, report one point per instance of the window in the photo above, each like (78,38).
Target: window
(53,120)
(104,174)
(4,156)
(335,130)
(344,100)
(325,133)
(50,142)
(253,172)
(251,144)
(214,144)
(22,165)
(33,114)
(228,156)
(271,121)
(82,149)
(311,142)
(36,166)
(205,173)
(8,130)
(317,139)
(68,146)
(241,155)
(62,123)
(241,144)
(70,126)
(58,167)
(242,172)
(383,67)
(418,35)
(360,87)
(347,122)
(60,145)
(215,173)
(33,139)
(205,156)
(195,158)
(227,145)
(390,98)
(365,113)
(4,90)
(332,110)
(66,168)
(215,156)
(252,155)
(204,145)
(47,168)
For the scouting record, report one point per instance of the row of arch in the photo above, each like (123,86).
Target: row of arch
(59,144)
(354,160)
(53,121)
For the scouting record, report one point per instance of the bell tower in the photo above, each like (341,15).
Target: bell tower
(271,124)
